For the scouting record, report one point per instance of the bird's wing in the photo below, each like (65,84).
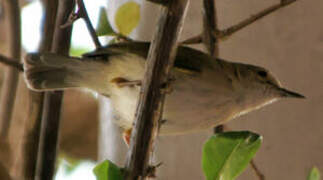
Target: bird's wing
(188,60)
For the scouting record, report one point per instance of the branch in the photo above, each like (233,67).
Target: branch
(35,107)
(209,26)
(9,86)
(82,13)
(149,110)
(53,100)
(235,28)
(210,42)
(260,175)
(11,63)
(224,34)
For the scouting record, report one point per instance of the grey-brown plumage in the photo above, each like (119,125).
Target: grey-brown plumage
(206,92)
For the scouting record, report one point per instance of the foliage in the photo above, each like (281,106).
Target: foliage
(107,171)
(226,155)
(68,163)
(104,27)
(78,51)
(314,174)
(126,19)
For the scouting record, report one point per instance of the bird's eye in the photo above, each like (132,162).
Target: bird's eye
(262,74)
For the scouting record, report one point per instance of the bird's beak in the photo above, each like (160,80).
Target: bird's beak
(290,94)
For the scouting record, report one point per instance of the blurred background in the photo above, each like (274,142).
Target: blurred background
(288,42)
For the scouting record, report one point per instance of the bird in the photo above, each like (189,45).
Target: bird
(204,92)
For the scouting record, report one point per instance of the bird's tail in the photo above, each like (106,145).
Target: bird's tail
(48,71)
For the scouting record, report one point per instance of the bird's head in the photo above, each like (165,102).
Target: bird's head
(258,87)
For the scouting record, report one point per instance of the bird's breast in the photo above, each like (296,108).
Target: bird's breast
(197,102)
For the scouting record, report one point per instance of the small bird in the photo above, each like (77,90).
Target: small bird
(205,92)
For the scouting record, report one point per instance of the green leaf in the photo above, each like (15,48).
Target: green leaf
(127,17)
(113,41)
(314,174)
(226,155)
(71,165)
(78,51)
(107,171)
(104,27)
(68,163)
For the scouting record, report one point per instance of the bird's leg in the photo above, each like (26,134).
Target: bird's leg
(160,123)
(123,82)
(167,87)
(126,136)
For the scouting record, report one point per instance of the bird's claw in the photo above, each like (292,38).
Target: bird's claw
(167,87)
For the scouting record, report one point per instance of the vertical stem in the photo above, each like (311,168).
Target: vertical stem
(160,60)
(257,171)
(85,16)
(53,100)
(210,41)
(10,82)
(210,26)
(35,108)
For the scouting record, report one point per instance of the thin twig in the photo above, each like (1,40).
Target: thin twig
(71,19)
(209,40)
(210,25)
(211,43)
(235,28)
(259,174)
(11,62)
(10,83)
(224,34)
(82,13)
(32,128)
(53,100)
(160,60)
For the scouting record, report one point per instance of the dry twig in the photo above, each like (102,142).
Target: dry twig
(225,33)
(52,104)
(82,13)
(259,174)
(210,41)
(150,107)
(36,99)
(11,63)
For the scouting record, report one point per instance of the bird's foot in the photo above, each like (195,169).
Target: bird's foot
(126,136)
(123,82)
(160,123)
(167,87)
